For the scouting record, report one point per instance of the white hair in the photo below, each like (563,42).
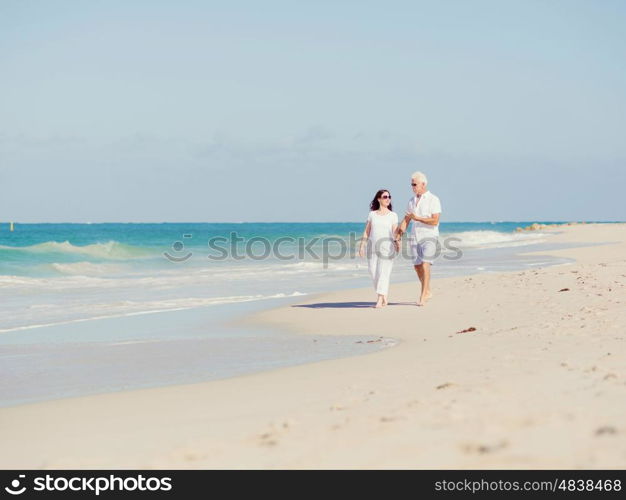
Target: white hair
(419,177)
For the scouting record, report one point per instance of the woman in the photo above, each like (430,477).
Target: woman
(379,236)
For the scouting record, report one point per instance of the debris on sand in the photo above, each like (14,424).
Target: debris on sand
(470,329)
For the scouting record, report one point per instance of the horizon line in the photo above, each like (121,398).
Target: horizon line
(554,221)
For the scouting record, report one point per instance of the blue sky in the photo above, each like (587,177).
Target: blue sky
(300,111)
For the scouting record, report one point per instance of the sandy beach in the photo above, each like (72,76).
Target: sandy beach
(537,379)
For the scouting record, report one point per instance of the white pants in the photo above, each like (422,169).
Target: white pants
(380,271)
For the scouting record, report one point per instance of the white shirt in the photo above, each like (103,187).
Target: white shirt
(381,233)
(381,226)
(424,206)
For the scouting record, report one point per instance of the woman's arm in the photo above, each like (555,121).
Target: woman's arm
(403,225)
(364,237)
(396,239)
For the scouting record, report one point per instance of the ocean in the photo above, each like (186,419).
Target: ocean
(54,273)
(88,308)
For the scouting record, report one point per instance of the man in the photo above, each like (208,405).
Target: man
(424,210)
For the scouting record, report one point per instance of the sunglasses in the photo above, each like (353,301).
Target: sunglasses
(386,197)
(413,184)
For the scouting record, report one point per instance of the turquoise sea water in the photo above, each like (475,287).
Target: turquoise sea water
(51,273)
(114,249)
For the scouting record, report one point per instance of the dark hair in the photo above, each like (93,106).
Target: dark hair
(375,204)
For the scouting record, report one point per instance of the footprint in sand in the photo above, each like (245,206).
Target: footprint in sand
(387,419)
(605,430)
(481,449)
(446,385)
(270,437)
(338,425)
(352,402)
(337,407)
(192,456)
(187,454)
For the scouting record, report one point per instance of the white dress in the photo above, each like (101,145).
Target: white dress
(381,250)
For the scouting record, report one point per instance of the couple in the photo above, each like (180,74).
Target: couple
(383,235)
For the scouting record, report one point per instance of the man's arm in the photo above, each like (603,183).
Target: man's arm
(433,220)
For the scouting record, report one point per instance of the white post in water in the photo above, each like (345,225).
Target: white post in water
(11,226)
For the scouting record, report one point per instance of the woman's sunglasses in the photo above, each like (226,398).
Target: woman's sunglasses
(386,197)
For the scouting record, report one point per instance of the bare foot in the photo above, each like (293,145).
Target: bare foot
(385,301)
(424,297)
(428,295)
(378,305)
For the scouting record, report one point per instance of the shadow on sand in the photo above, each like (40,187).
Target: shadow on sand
(345,305)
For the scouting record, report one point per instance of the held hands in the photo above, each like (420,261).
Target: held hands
(397,238)
(396,244)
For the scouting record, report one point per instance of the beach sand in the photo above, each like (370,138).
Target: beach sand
(539,383)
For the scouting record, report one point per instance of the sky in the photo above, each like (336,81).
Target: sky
(191,111)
